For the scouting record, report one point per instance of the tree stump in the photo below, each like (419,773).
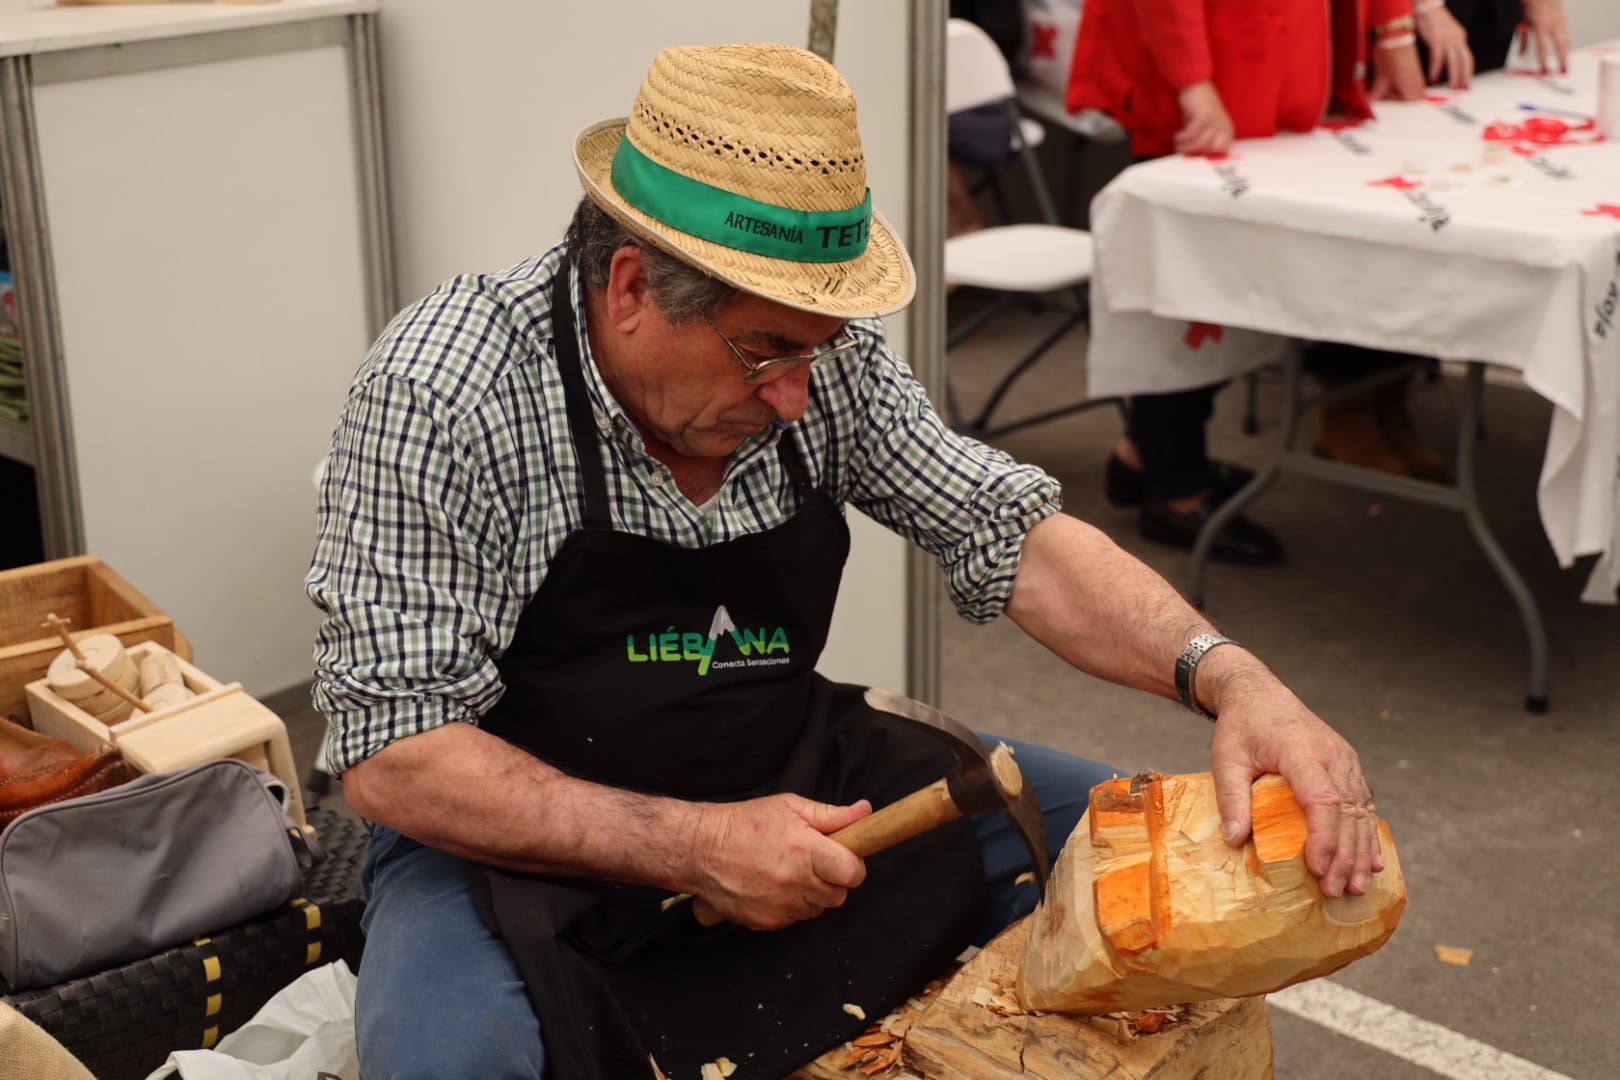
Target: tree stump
(975,1028)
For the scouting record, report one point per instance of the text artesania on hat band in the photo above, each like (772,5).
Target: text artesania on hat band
(736,221)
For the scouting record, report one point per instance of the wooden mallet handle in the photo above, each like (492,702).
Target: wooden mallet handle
(911,816)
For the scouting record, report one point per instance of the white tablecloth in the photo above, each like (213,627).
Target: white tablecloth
(1413,232)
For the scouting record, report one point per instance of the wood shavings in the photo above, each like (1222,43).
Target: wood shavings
(880,1048)
(855,1010)
(1129,1026)
(990,997)
(1025,878)
(1450,954)
(658,1074)
(719,1069)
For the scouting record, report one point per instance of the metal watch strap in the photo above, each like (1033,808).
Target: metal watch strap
(1187,670)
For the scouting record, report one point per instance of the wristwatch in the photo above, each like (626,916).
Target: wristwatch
(1187,670)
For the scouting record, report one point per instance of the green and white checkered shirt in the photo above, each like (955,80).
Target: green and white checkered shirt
(453,481)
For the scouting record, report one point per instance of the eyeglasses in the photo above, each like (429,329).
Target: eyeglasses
(842,342)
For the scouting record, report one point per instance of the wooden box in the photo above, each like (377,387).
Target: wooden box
(223,720)
(91,596)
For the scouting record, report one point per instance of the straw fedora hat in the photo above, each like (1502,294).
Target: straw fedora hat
(745,161)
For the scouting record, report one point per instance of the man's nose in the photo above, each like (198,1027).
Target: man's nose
(789,395)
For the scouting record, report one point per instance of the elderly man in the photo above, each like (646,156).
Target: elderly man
(580,539)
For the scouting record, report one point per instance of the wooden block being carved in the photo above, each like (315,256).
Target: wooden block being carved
(974,1027)
(1148,907)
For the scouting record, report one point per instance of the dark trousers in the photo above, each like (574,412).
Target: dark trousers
(1168,431)
(1335,361)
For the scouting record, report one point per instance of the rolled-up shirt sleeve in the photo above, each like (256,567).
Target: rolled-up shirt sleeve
(967,504)
(410,568)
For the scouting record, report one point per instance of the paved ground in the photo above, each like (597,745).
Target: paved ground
(1386,619)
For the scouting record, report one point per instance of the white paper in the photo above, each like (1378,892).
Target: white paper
(306,1030)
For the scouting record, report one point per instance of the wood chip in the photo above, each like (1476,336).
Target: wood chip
(883,1062)
(1025,878)
(658,1074)
(727,1066)
(1113,1025)
(855,1010)
(1449,954)
(856,1056)
(876,1038)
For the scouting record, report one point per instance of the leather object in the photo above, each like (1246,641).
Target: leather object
(37,769)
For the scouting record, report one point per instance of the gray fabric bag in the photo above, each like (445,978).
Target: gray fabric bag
(131,871)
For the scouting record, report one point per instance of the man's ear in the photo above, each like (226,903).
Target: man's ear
(629,298)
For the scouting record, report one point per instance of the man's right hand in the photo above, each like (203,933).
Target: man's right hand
(1206,127)
(767,863)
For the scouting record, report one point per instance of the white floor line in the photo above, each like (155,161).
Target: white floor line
(1387,1028)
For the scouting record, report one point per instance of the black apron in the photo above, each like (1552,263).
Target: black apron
(691,673)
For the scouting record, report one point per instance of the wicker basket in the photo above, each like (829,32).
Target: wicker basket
(124,1022)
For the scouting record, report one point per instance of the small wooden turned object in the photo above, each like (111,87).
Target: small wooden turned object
(1148,907)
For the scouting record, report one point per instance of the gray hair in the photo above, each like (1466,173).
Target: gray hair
(682,292)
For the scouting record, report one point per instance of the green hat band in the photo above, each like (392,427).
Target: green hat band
(736,221)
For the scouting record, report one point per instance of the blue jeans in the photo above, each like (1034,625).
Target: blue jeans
(440,996)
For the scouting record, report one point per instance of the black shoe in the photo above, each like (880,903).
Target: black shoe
(1123,484)
(1242,541)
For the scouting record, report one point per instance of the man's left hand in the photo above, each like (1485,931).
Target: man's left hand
(1264,728)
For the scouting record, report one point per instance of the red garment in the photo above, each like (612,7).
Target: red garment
(1270,61)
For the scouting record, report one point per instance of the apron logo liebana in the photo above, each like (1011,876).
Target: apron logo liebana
(756,647)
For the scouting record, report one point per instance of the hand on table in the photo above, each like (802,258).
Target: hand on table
(767,863)
(1397,74)
(1206,127)
(1545,25)
(1448,47)
(1263,728)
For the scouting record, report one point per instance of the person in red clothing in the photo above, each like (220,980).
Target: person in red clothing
(1189,76)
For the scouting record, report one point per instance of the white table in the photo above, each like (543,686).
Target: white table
(1413,233)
